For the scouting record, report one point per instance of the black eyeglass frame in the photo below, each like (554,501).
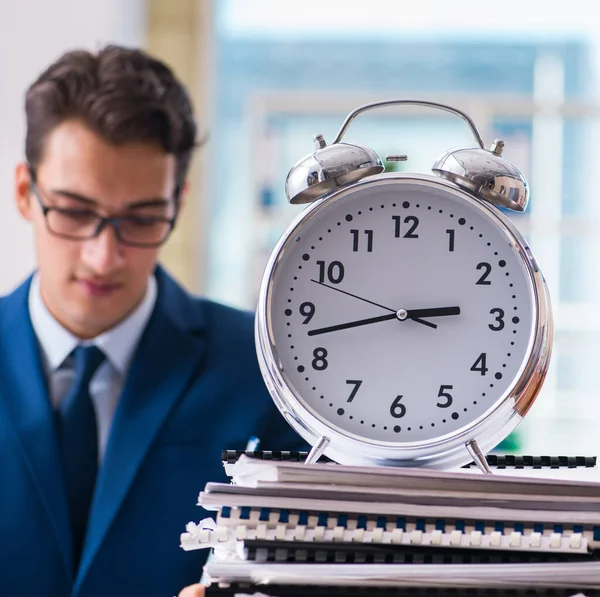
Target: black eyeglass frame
(112,221)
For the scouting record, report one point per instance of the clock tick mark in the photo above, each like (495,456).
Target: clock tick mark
(502,263)
(306,256)
(300,368)
(515,320)
(405,205)
(288,312)
(340,411)
(397,429)
(462,221)
(349,218)
(455,416)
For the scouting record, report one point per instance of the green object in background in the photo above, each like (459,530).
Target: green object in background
(510,444)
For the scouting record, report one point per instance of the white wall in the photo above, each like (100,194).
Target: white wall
(32,34)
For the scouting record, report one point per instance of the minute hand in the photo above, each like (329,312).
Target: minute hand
(352,324)
(433,312)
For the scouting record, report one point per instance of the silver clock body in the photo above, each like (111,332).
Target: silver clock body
(401,318)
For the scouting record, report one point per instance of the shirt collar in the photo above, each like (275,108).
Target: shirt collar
(118,343)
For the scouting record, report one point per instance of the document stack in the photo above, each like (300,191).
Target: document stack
(286,528)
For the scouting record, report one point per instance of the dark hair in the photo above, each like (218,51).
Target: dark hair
(122,94)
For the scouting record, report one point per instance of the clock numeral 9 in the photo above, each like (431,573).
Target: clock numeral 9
(499,319)
(357,383)
(480,364)
(307,310)
(413,222)
(483,281)
(334,272)
(319,363)
(355,238)
(448,397)
(397,410)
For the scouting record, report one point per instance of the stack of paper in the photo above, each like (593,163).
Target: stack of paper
(287,525)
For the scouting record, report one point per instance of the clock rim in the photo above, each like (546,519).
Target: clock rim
(449,449)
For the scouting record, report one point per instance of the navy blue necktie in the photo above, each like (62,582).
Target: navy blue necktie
(79,442)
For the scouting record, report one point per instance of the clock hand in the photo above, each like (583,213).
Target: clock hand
(360,298)
(434,312)
(352,324)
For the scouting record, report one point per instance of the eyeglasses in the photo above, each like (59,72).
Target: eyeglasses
(84,224)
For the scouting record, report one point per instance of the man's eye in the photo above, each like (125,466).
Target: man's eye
(142,222)
(78,215)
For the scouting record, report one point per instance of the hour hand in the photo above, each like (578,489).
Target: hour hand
(433,312)
(418,314)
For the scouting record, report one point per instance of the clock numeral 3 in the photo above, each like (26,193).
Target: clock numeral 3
(334,272)
(397,410)
(480,364)
(357,383)
(448,397)
(319,363)
(355,240)
(307,310)
(413,222)
(499,319)
(483,281)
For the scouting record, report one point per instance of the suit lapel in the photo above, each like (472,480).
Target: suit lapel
(23,391)
(170,352)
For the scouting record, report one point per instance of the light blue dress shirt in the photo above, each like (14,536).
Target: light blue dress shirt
(118,344)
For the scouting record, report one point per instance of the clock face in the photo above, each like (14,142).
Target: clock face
(401,311)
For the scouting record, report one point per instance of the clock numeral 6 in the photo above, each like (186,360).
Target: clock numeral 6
(480,364)
(448,397)
(397,410)
(307,310)
(319,363)
(412,221)
(334,272)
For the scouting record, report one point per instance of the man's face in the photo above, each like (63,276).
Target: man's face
(91,285)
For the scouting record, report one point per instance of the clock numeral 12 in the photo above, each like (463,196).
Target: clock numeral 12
(413,221)
(355,235)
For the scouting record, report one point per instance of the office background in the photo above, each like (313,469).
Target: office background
(267,75)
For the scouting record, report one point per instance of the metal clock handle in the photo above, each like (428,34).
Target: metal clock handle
(427,104)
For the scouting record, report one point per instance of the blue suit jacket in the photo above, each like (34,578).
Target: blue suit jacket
(194,388)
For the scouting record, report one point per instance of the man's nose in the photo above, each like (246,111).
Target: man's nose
(104,253)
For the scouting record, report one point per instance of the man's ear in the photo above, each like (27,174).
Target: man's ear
(23,190)
(183,193)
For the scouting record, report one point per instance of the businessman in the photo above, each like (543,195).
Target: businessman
(118,389)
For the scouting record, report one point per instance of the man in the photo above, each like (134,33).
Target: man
(118,389)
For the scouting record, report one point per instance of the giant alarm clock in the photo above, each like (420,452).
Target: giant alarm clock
(402,318)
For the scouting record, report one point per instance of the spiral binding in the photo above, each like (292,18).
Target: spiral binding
(235,589)
(493,460)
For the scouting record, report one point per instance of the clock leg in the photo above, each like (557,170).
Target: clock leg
(317,450)
(478,457)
